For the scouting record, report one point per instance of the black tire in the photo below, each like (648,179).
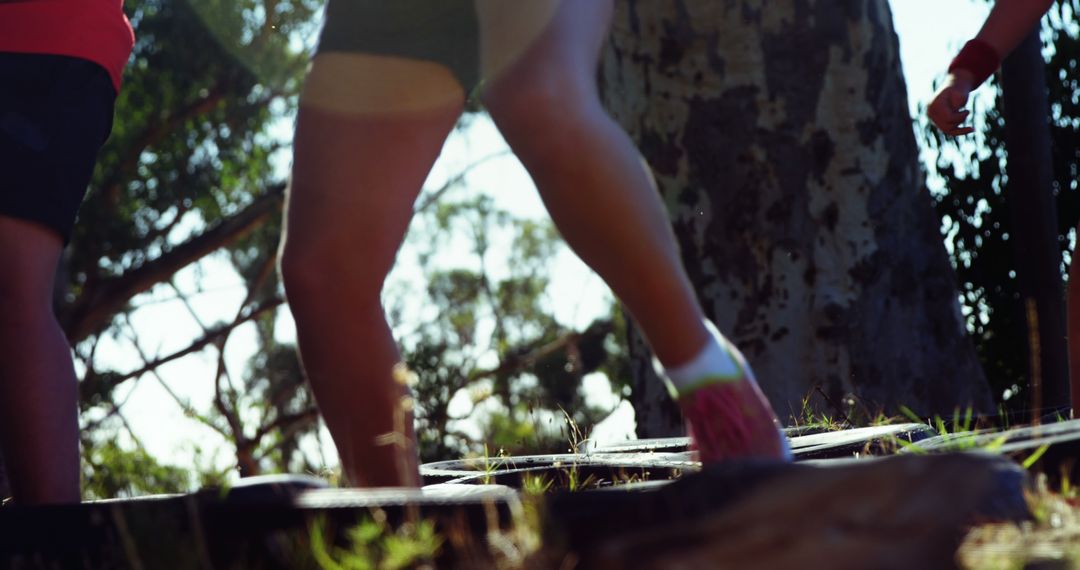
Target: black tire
(1061,441)
(875,441)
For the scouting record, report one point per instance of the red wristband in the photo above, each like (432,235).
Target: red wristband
(978,58)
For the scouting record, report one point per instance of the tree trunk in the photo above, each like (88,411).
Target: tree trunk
(655,413)
(1029,193)
(780,137)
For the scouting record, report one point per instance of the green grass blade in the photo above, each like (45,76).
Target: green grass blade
(1034,457)
(911,415)
(910,446)
(996,445)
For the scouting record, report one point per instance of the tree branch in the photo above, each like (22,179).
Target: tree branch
(154,133)
(282,421)
(94,308)
(212,335)
(516,363)
(458,178)
(230,414)
(188,409)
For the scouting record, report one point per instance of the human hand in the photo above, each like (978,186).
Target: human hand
(946,109)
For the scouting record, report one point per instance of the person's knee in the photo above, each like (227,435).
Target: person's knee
(29,252)
(24,305)
(535,109)
(321,276)
(305,274)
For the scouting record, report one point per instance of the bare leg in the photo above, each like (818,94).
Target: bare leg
(543,96)
(39,427)
(592,180)
(368,132)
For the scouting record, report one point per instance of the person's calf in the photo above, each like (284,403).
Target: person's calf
(351,362)
(38,413)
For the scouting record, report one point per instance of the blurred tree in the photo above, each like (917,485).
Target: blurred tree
(189,172)
(1029,195)
(975,215)
(488,332)
(113,471)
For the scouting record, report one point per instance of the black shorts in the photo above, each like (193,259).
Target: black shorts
(442,31)
(55,113)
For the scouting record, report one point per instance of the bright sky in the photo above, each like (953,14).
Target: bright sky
(930,32)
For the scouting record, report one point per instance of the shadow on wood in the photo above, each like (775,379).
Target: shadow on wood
(901,512)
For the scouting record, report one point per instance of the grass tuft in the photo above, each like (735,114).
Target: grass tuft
(1052,537)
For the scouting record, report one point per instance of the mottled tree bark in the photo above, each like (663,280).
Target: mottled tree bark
(781,141)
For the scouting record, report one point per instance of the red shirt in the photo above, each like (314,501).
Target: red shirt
(94,30)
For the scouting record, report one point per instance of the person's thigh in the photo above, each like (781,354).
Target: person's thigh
(368,131)
(55,113)
(29,252)
(439,31)
(356,85)
(547,37)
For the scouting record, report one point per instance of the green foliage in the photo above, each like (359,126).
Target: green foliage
(1052,539)
(374,545)
(535,485)
(813,419)
(274,393)
(1035,456)
(849,412)
(188,171)
(490,466)
(487,331)
(520,436)
(975,218)
(377,544)
(191,136)
(572,479)
(110,470)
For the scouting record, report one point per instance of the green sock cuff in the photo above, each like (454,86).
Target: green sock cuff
(704,383)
